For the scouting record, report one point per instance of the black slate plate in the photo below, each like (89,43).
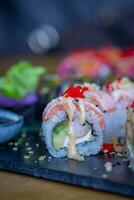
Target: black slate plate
(91,173)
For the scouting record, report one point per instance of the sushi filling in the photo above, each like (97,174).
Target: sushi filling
(75,130)
(61,137)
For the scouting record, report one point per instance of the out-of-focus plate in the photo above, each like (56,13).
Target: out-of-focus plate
(10,124)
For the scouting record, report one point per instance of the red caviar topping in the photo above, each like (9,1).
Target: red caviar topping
(119,79)
(108,86)
(76,91)
(132,105)
(128,52)
(108,147)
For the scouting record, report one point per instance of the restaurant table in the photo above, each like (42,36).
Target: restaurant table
(17,187)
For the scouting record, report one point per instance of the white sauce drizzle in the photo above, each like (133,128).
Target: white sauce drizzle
(87,137)
(72,152)
(82,111)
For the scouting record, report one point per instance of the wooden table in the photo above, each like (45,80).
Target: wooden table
(17,187)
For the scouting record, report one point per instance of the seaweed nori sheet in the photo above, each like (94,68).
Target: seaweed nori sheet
(27,154)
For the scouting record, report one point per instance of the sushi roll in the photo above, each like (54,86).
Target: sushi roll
(72,126)
(122,90)
(124,66)
(130,135)
(83,63)
(110,54)
(89,116)
(112,111)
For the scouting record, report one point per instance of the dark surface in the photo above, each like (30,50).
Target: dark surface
(79,23)
(87,174)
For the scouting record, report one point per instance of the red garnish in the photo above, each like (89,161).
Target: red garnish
(108,147)
(132,105)
(128,52)
(76,91)
(119,79)
(108,86)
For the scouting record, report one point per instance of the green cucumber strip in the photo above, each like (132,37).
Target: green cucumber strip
(59,134)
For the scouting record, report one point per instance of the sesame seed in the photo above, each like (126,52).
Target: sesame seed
(29,148)
(105,151)
(104,176)
(95,168)
(15,148)
(118,163)
(27,144)
(125,160)
(26,156)
(30,152)
(113,153)
(41,158)
(108,166)
(16,144)
(120,154)
(23,135)
(83,124)
(10,143)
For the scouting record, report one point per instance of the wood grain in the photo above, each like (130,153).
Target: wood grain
(19,187)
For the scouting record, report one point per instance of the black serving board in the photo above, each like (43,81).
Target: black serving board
(90,174)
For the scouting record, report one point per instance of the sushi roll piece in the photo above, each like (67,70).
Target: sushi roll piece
(122,90)
(110,54)
(130,135)
(114,114)
(124,66)
(72,126)
(83,63)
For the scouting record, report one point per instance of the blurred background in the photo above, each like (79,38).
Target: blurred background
(40,26)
